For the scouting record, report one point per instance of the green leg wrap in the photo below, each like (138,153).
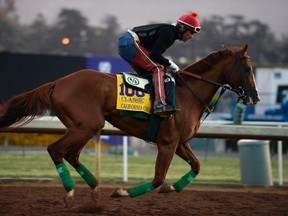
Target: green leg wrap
(65,176)
(87,176)
(184,181)
(140,189)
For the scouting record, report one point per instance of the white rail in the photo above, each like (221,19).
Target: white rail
(209,129)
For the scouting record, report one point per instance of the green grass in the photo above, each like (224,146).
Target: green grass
(141,168)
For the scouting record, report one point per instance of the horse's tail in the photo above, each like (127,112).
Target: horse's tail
(23,108)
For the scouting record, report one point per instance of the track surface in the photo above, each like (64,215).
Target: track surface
(34,197)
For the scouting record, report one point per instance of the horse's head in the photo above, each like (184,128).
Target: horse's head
(241,77)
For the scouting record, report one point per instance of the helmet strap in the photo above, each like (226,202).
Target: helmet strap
(181,30)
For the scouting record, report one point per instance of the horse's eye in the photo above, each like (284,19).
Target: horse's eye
(247,69)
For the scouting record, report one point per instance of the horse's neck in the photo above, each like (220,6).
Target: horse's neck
(197,102)
(197,92)
(215,73)
(204,89)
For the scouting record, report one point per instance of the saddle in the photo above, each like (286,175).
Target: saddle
(145,85)
(135,96)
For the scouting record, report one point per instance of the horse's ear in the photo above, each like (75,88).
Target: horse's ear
(244,49)
(225,47)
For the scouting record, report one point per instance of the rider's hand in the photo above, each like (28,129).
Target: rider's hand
(173,67)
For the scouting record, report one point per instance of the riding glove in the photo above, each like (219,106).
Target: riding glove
(173,67)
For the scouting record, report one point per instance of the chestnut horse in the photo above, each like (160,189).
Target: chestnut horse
(84,99)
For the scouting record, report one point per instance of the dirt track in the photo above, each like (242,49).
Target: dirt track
(30,197)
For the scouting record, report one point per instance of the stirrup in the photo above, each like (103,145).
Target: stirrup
(169,110)
(158,109)
(161,109)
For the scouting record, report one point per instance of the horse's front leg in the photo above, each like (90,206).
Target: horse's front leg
(185,152)
(164,158)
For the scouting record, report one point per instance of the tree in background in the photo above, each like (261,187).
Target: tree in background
(283,47)
(234,31)
(73,27)
(71,35)
(8,25)
(109,37)
(37,36)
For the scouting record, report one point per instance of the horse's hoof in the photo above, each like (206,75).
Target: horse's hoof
(95,195)
(119,192)
(165,188)
(68,199)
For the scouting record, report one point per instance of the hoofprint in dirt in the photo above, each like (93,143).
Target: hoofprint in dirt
(43,197)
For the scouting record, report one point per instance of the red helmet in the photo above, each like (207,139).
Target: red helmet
(190,21)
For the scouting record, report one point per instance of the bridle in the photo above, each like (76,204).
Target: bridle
(239,91)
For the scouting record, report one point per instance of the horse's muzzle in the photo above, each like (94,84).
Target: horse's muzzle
(250,98)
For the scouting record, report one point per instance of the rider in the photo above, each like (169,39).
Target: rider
(142,47)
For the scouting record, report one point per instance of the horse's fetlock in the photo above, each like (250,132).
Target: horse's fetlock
(195,167)
(196,170)
(157,183)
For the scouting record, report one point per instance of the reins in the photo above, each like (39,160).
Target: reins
(224,87)
(209,81)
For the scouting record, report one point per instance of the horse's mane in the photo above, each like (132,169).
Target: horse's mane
(207,62)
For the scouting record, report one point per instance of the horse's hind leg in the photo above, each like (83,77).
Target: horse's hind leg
(185,152)
(72,156)
(69,147)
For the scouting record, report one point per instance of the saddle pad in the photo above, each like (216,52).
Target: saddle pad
(131,99)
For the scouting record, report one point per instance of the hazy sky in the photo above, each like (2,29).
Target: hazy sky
(138,12)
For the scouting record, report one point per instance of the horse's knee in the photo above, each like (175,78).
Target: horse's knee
(55,156)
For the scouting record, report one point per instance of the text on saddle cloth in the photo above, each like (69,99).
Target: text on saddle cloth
(133,99)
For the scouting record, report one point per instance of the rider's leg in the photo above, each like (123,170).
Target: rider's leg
(138,56)
(142,60)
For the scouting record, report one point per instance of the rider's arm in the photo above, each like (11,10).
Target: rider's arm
(166,37)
